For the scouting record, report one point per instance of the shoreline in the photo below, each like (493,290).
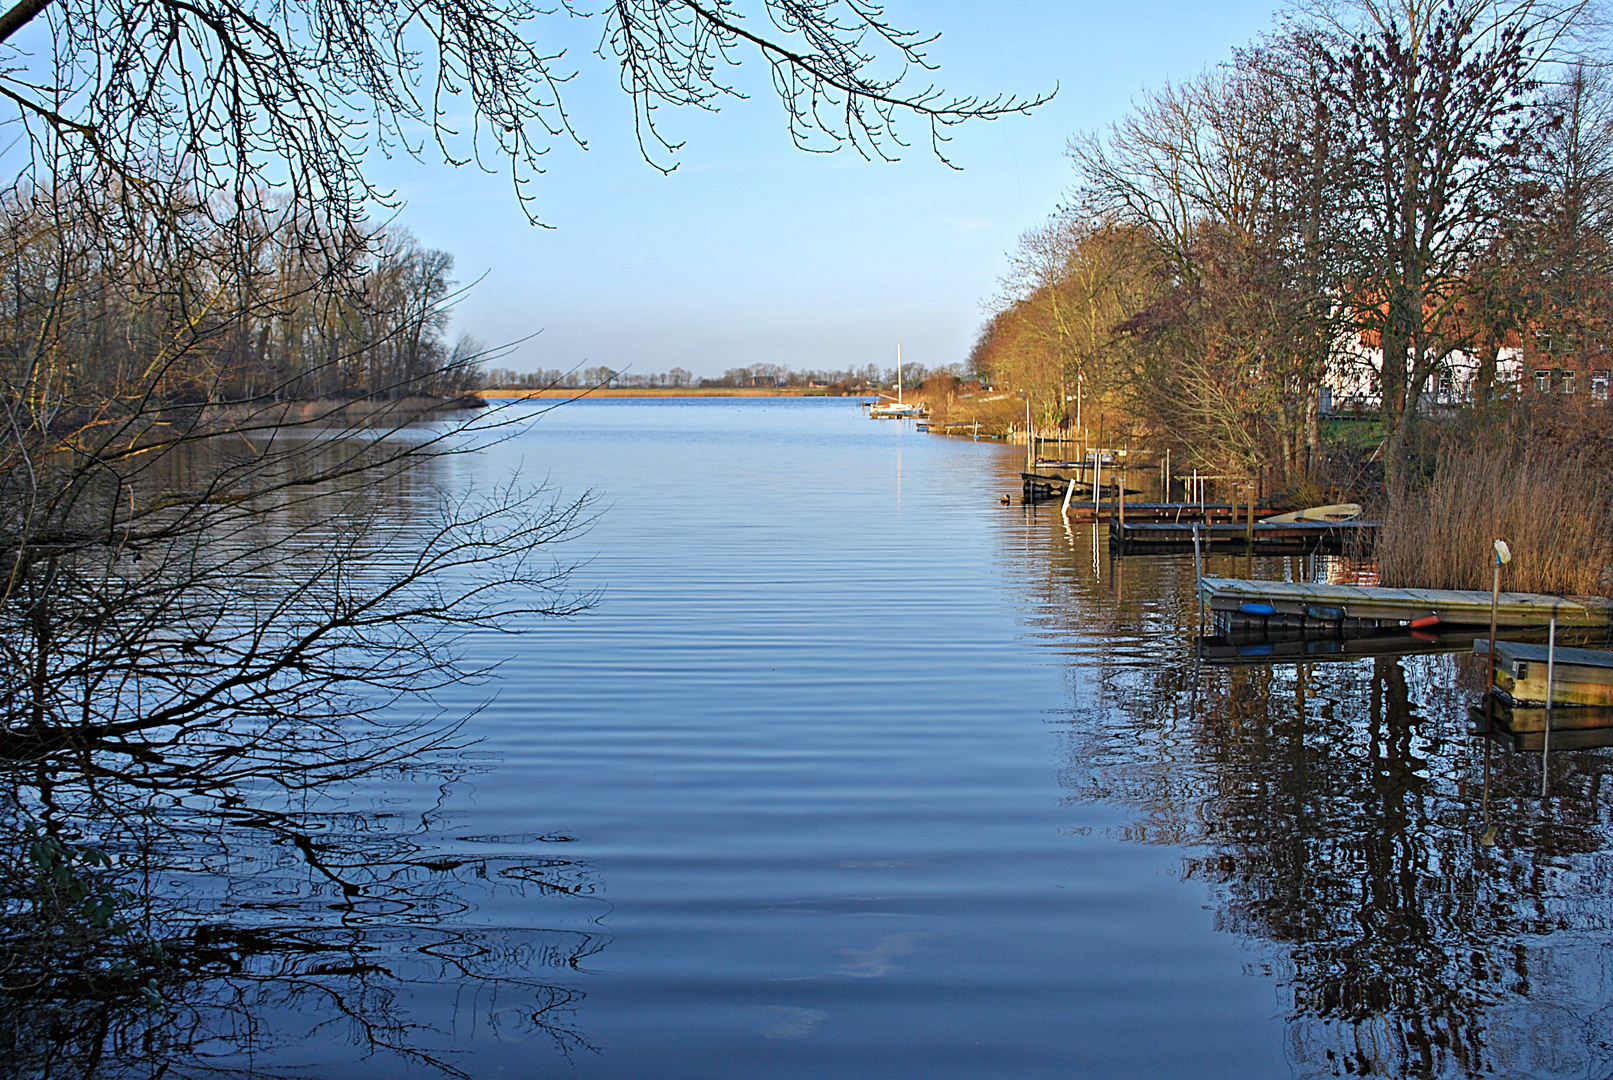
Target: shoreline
(667,392)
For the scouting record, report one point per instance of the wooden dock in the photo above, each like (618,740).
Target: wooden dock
(1164,513)
(1041,487)
(1142,537)
(1249,608)
(1580,677)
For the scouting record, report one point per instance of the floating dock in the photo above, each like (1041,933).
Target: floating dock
(1164,513)
(1259,608)
(1142,537)
(1041,487)
(1580,677)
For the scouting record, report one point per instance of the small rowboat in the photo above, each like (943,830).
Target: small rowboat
(1332,512)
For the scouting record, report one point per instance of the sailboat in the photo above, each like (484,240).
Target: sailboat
(896,410)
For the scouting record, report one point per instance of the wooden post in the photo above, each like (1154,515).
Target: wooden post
(1551,692)
(1198,576)
(1097,483)
(1249,521)
(1030,462)
(1502,555)
(1495,606)
(1120,494)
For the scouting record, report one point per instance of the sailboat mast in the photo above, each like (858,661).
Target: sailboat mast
(898,373)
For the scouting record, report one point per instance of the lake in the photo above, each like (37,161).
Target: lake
(852,771)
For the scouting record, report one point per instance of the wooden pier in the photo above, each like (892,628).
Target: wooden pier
(1581,677)
(1142,537)
(1249,608)
(1041,487)
(1167,513)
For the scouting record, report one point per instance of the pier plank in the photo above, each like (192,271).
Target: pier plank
(1324,602)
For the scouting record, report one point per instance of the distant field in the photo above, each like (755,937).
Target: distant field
(715,391)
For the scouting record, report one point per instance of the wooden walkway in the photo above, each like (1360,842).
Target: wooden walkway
(1289,538)
(1245,606)
(1580,677)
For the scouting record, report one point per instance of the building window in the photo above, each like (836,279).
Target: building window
(1568,382)
(1599,385)
(1543,381)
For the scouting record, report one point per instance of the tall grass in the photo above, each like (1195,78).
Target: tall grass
(1551,504)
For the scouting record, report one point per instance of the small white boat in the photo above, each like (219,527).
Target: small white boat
(1332,512)
(898,409)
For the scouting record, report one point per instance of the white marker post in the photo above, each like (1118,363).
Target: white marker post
(1551,692)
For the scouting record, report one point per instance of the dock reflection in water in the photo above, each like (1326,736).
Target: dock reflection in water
(1333,810)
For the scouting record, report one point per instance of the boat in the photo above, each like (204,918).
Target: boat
(898,409)
(1331,512)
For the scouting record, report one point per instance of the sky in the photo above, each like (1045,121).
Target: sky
(752,251)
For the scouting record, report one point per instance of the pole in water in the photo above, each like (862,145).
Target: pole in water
(1503,555)
(1198,576)
(1097,482)
(1030,465)
(1551,692)
(1069,490)
(1249,521)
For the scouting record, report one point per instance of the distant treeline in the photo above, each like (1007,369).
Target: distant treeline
(261,310)
(870,377)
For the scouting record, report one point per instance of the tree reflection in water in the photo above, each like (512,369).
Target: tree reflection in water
(212,938)
(224,834)
(1335,812)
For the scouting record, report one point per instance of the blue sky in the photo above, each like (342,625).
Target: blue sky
(755,252)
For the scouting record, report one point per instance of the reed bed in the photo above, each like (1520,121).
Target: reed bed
(1553,508)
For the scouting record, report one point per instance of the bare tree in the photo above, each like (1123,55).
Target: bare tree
(1445,106)
(221,95)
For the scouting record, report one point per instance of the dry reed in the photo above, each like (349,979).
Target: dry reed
(1554,510)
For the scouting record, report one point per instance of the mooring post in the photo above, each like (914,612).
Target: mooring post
(1503,555)
(1198,576)
(1097,483)
(1069,490)
(1551,692)
(1030,461)
(1249,521)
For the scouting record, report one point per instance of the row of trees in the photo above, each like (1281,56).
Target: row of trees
(251,309)
(868,377)
(1385,186)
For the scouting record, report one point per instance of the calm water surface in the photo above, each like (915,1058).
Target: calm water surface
(852,771)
